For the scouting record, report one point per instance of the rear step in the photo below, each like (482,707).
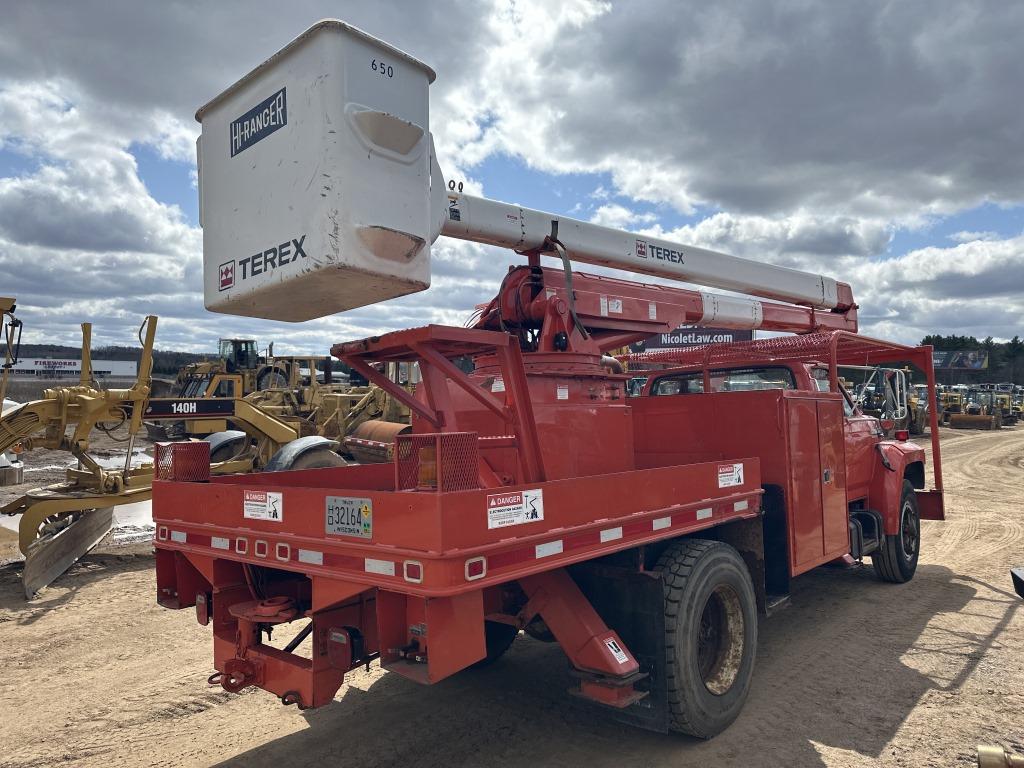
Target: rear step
(774,603)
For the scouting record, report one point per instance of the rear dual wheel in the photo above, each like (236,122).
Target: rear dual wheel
(710,635)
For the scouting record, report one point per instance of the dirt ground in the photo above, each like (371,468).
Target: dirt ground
(854,673)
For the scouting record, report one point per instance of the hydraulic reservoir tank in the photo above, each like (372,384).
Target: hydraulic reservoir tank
(314,179)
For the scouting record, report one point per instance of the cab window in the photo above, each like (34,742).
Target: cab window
(821,382)
(752,379)
(732,380)
(679,384)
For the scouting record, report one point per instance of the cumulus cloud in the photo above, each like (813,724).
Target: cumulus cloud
(621,217)
(812,132)
(870,109)
(966,236)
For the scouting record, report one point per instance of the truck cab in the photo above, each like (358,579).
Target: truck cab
(835,484)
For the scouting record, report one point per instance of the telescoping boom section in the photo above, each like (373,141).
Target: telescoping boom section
(537,492)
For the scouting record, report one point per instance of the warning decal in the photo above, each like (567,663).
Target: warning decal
(514,508)
(263,505)
(729,475)
(616,649)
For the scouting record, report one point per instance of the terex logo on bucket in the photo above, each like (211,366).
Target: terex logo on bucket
(234,272)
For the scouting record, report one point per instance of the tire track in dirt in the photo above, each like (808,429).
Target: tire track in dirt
(995,460)
(853,673)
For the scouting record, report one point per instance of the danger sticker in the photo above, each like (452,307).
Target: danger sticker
(616,649)
(514,508)
(729,475)
(263,505)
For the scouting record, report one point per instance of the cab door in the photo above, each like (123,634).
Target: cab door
(862,434)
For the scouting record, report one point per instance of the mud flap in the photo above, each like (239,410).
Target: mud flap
(632,603)
(930,505)
(52,554)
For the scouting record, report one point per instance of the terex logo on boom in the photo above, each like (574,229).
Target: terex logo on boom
(264,261)
(646,250)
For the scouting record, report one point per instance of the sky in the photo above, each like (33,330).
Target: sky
(879,143)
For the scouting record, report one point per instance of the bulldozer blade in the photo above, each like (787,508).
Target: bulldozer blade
(49,556)
(969,421)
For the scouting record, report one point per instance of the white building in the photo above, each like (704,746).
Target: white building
(47,367)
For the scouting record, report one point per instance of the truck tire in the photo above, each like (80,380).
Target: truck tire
(318,458)
(896,559)
(710,635)
(272,378)
(226,445)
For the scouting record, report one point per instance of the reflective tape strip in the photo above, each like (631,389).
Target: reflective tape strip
(218,542)
(179,536)
(611,534)
(549,548)
(659,523)
(739,506)
(311,557)
(704,514)
(383,567)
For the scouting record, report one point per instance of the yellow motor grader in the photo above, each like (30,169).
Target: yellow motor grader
(241,370)
(61,522)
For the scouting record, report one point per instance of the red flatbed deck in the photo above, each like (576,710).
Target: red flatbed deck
(582,518)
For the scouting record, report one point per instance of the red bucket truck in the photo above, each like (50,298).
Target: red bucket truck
(644,534)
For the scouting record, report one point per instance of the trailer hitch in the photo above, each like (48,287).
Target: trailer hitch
(238,674)
(293,697)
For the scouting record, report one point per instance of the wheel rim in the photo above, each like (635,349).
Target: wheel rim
(909,534)
(720,640)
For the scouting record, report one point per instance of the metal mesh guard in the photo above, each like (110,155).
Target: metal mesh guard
(456,462)
(183,462)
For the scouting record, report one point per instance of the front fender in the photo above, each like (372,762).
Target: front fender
(893,458)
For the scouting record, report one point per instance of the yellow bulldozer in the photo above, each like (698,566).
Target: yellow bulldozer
(980,411)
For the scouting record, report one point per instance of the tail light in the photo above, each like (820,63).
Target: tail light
(902,435)
(475,568)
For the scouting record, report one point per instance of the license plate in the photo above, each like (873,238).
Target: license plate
(349,516)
